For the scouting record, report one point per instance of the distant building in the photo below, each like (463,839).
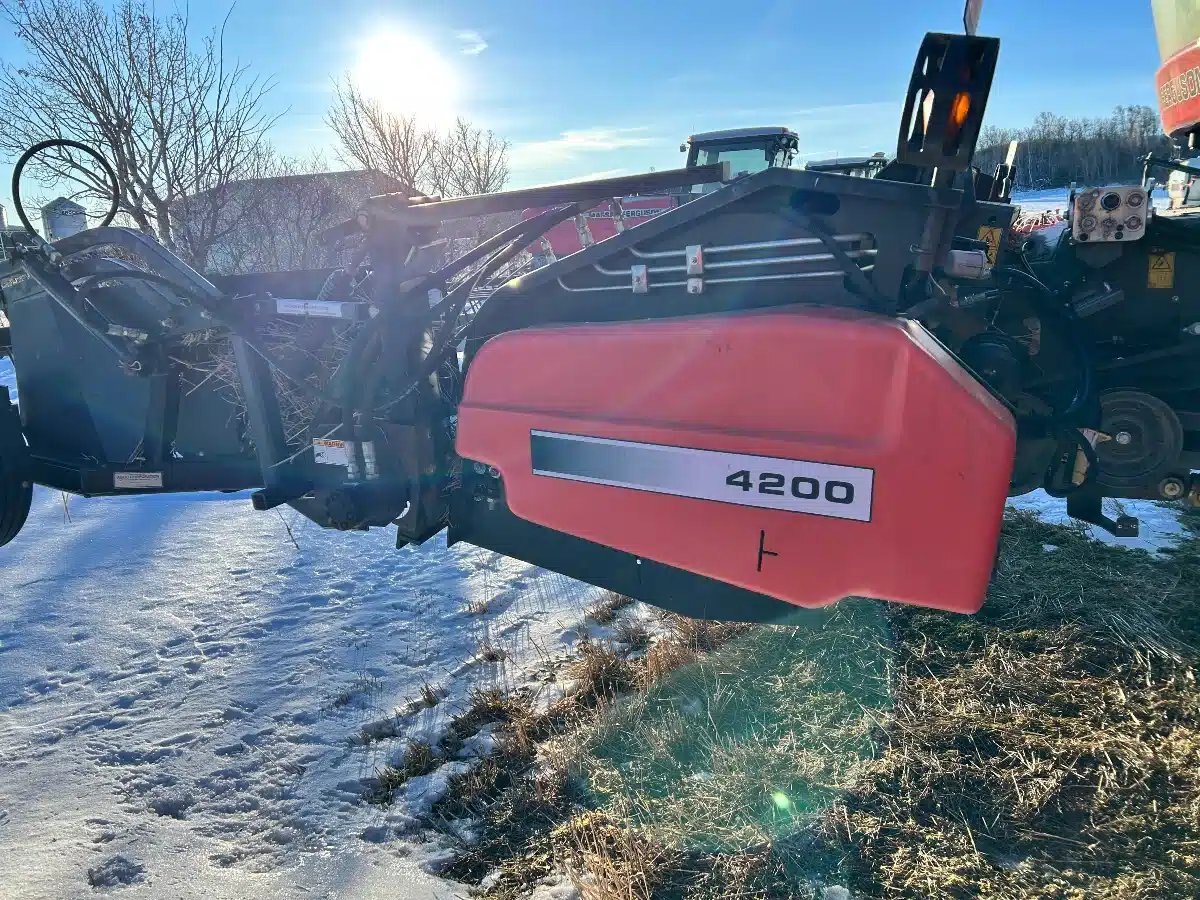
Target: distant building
(272,224)
(62,218)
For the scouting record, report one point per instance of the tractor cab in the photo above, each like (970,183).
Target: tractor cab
(747,150)
(859,166)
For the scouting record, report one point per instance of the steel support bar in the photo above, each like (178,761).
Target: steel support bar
(262,413)
(392,206)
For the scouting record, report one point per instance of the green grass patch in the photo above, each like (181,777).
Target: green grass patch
(747,743)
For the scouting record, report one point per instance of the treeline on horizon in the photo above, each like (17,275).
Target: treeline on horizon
(1056,150)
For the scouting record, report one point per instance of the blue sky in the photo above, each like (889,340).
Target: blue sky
(609,86)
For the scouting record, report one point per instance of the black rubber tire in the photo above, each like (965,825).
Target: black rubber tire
(16,494)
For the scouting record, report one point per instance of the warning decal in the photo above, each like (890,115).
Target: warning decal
(330,453)
(1161,271)
(990,235)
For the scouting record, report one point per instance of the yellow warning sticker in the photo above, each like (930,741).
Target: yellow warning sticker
(990,235)
(1161,271)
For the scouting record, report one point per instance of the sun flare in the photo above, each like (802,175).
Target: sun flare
(408,76)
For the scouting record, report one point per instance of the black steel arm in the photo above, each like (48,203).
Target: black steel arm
(1154,162)
(396,207)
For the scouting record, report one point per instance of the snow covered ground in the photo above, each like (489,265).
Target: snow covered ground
(1057,198)
(184,691)
(1158,525)
(184,696)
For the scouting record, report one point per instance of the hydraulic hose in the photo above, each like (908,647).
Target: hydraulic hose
(1082,443)
(1061,423)
(1066,324)
(19,168)
(368,345)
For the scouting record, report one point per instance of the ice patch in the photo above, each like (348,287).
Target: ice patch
(479,744)
(1159,525)
(555,887)
(422,792)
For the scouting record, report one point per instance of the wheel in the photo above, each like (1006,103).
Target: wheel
(16,492)
(1146,440)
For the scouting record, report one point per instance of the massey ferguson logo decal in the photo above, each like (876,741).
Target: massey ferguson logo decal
(637,212)
(813,488)
(1180,88)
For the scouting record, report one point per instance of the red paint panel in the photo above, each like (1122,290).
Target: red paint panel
(1178,84)
(801,386)
(564,237)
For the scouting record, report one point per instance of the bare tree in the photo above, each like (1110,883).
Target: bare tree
(474,161)
(465,160)
(179,123)
(375,139)
(280,217)
(1055,150)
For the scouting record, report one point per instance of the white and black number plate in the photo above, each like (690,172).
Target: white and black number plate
(819,489)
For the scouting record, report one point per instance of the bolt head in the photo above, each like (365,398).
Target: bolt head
(1124,438)
(1171,488)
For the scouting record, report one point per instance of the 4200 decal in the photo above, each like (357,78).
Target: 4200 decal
(800,486)
(803,487)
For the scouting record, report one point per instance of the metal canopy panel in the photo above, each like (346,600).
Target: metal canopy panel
(757,246)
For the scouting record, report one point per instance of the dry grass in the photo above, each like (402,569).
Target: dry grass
(310,348)
(517,802)
(702,635)
(633,633)
(685,642)
(479,606)
(1047,747)
(489,706)
(419,759)
(599,672)
(430,695)
(492,653)
(608,861)
(740,746)
(604,611)
(662,659)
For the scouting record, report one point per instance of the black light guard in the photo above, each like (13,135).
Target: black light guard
(948,66)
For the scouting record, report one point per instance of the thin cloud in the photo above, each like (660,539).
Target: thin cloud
(570,145)
(472,42)
(848,109)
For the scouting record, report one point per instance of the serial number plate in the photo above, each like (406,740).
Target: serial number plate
(137,480)
(814,488)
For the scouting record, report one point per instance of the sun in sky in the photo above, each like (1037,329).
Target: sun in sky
(408,75)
